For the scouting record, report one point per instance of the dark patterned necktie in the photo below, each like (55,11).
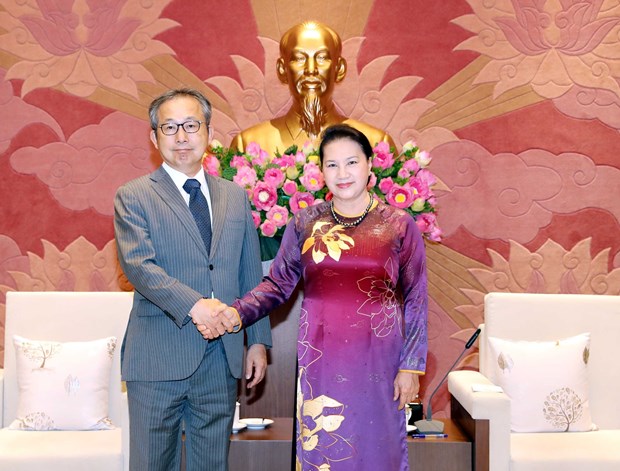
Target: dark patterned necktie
(200,210)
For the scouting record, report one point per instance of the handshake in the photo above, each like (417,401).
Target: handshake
(213,318)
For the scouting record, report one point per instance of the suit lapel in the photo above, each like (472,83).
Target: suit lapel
(169,193)
(219,204)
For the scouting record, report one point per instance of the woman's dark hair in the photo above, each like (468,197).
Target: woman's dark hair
(344,131)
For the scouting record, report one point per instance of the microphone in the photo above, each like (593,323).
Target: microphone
(428,425)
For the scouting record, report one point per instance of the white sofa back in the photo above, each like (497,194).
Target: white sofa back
(539,317)
(64,316)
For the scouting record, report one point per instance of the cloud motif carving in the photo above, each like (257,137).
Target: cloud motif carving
(512,196)
(591,103)
(19,114)
(85,171)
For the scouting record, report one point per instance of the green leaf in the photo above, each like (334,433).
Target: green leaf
(291,150)
(269,247)
(228,173)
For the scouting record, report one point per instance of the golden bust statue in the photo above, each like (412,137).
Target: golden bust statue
(311,64)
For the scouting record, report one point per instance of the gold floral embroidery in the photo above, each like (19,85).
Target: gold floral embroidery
(326,240)
(382,304)
(318,418)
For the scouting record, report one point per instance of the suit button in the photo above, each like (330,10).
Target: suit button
(211,267)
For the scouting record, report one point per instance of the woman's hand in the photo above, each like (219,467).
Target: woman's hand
(406,387)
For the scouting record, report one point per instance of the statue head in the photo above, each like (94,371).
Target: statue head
(311,64)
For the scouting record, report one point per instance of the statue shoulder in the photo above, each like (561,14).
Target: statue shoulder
(374,135)
(266,134)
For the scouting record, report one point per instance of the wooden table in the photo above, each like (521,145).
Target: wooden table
(262,450)
(452,453)
(271,449)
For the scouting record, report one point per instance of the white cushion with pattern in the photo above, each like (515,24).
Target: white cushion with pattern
(63,385)
(547,383)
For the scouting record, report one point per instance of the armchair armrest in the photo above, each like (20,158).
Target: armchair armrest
(1,397)
(491,406)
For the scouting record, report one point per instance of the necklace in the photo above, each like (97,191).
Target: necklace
(352,223)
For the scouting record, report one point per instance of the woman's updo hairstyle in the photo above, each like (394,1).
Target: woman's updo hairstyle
(344,131)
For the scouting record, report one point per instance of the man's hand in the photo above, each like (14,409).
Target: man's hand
(207,315)
(406,387)
(255,364)
(226,315)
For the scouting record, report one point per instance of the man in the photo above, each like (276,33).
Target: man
(179,245)
(311,64)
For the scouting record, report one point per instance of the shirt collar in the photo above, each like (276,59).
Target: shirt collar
(179,178)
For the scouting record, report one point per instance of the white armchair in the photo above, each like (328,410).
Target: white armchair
(64,317)
(544,317)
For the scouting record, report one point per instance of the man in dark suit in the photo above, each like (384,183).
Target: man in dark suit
(185,237)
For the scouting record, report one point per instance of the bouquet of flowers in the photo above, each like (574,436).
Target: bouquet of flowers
(280,185)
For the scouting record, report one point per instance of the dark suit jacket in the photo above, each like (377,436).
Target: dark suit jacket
(162,253)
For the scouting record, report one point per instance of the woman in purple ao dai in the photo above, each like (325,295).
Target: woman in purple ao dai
(362,339)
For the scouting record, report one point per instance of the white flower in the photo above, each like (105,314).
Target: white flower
(409,145)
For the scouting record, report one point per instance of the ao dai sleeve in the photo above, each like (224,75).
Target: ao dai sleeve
(278,285)
(413,282)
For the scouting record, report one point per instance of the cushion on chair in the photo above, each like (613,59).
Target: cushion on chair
(588,451)
(61,450)
(63,386)
(547,383)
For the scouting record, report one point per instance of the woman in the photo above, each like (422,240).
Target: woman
(362,335)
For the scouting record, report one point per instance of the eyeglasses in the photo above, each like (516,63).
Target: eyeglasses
(190,127)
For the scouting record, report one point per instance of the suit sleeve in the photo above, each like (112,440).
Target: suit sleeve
(138,259)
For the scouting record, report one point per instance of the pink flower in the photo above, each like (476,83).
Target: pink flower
(256,218)
(246,177)
(300,158)
(427,177)
(278,215)
(386,185)
(274,177)
(373,180)
(300,200)
(312,179)
(403,173)
(419,187)
(268,228)
(253,149)
(411,165)
(400,196)
(211,164)
(426,223)
(264,196)
(383,157)
(284,161)
(239,161)
(435,234)
(259,156)
(261,160)
(289,187)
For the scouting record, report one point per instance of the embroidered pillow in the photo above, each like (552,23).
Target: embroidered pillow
(63,386)
(547,383)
